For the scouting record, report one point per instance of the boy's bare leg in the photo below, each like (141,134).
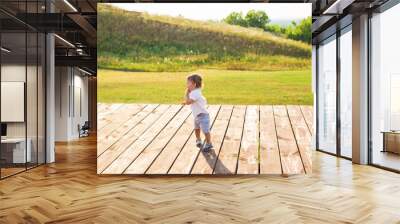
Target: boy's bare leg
(197,133)
(208,138)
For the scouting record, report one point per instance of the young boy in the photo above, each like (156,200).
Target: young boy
(196,100)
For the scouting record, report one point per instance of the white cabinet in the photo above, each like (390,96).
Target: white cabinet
(17,147)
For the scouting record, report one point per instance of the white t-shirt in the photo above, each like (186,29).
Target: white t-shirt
(199,104)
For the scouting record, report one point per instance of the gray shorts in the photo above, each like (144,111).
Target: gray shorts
(202,121)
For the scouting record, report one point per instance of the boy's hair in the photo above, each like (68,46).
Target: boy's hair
(196,79)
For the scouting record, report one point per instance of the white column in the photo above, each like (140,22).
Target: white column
(50,100)
(360,90)
(50,92)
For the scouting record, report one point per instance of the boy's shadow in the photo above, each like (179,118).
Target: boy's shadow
(212,160)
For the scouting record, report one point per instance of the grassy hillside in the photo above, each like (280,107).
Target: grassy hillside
(142,42)
(220,87)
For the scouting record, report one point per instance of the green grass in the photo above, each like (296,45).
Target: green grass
(221,87)
(190,63)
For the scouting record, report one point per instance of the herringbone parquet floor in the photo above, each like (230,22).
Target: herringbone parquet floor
(70,191)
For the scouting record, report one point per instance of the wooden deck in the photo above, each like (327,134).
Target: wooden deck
(159,139)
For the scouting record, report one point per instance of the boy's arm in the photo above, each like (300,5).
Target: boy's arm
(187,100)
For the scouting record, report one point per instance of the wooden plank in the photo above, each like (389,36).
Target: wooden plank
(290,156)
(108,119)
(270,161)
(228,156)
(205,163)
(129,155)
(248,154)
(118,119)
(146,118)
(307,112)
(102,119)
(185,160)
(144,160)
(168,155)
(101,107)
(105,142)
(105,107)
(111,120)
(302,135)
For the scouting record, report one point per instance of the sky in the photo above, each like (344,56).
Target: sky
(278,12)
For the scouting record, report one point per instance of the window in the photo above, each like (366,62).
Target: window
(394,102)
(346,92)
(327,95)
(385,89)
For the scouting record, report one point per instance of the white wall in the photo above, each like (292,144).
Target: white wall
(33,126)
(62,82)
(12,73)
(70,84)
(82,83)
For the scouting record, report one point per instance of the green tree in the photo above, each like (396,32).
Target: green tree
(258,19)
(297,31)
(236,18)
(275,28)
(301,31)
